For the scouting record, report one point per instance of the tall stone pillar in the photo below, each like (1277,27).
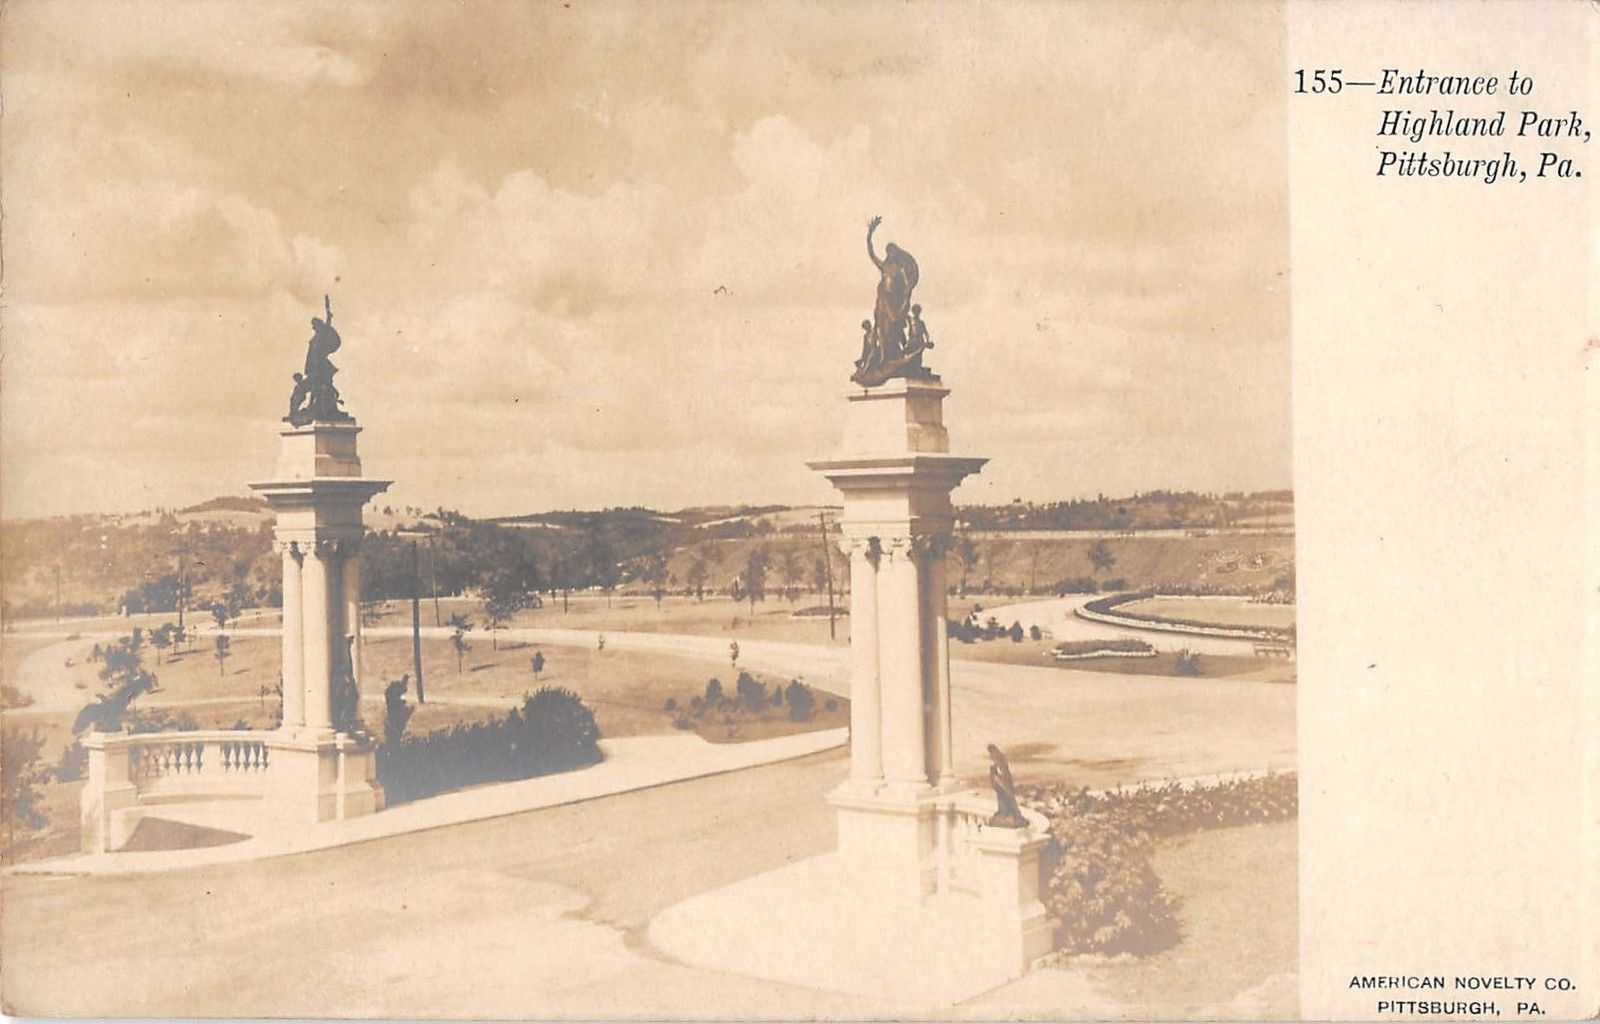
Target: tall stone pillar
(294,653)
(317,494)
(896,474)
(351,593)
(901,667)
(866,717)
(944,769)
(320,631)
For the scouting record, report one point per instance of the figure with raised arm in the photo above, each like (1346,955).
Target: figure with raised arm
(888,354)
(314,397)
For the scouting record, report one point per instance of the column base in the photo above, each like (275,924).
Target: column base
(320,775)
(888,839)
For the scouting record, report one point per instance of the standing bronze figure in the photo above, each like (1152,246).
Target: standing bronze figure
(314,397)
(894,342)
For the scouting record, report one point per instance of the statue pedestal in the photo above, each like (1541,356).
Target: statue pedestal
(318,771)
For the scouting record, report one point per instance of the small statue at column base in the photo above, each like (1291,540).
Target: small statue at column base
(1009,815)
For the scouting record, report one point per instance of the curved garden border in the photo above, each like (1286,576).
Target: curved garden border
(1105,609)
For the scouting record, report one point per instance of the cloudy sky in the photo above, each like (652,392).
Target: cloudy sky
(612,253)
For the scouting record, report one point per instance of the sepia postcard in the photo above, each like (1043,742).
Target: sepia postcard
(740,509)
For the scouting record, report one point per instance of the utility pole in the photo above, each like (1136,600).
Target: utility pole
(416,619)
(827,560)
(433,580)
(183,583)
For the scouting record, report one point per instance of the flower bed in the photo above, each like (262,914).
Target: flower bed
(1125,647)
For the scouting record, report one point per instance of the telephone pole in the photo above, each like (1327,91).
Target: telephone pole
(827,561)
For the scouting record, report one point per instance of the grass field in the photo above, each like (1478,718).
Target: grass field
(1223,611)
(627,690)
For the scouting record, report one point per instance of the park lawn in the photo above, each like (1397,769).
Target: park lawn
(627,690)
(1222,611)
(717,615)
(1240,921)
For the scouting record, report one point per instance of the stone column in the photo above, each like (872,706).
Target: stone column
(940,612)
(901,667)
(294,651)
(866,713)
(352,608)
(321,609)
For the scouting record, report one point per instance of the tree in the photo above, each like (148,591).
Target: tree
(967,553)
(733,653)
(654,572)
(161,638)
(537,665)
(222,652)
(698,571)
(23,776)
(221,613)
(1100,556)
(801,701)
(755,577)
(793,572)
(126,678)
(460,626)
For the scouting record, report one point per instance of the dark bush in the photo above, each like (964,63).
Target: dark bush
(801,701)
(671,704)
(1035,633)
(553,731)
(752,692)
(713,691)
(1188,663)
(1016,633)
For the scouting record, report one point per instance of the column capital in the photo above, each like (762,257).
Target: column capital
(867,547)
(292,548)
(904,548)
(329,547)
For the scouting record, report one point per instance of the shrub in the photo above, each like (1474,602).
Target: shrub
(713,691)
(1115,583)
(801,701)
(671,704)
(1188,663)
(1077,585)
(1016,633)
(752,692)
(1035,633)
(552,731)
(682,722)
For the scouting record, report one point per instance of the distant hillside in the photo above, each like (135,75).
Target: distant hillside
(1240,543)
